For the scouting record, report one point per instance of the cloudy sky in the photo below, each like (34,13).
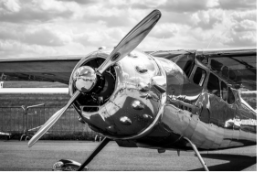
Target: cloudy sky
(75,27)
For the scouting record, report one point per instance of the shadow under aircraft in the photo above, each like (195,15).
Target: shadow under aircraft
(236,162)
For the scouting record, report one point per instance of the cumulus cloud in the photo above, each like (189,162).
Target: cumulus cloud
(164,31)
(243,34)
(15,49)
(27,15)
(244,15)
(206,19)
(237,5)
(245,25)
(82,2)
(41,36)
(56,6)
(56,27)
(11,48)
(39,11)
(10,5)
(242,39)
(147,4)
(111,18)
(108,38)
(188,5)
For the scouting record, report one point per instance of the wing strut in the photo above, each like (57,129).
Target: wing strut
(198,154)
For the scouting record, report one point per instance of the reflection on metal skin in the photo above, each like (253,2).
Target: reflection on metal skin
(84,78)
(58,166)
(133,55)
(147,96)
(159,80)
(125,120)
(111,129)
(141,69)
(143,87)
(192,112)
(67,165)
(137,105)
(164,105)
(128,103)
(145,116)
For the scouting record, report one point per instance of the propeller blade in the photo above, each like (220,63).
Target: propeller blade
(131,40)
(51,121)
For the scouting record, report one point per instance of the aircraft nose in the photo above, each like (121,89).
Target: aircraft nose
(125,116)
(134,103)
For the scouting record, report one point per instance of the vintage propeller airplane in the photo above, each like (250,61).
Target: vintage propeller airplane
(166,100)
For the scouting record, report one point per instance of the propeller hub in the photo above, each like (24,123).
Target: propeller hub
(84,78)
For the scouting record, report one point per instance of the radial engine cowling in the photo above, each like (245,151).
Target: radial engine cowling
(126,99)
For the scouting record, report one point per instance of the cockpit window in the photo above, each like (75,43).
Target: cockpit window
(185,62)
(231,97)
(199,76)
(213,85)
(188,67)
(224,91)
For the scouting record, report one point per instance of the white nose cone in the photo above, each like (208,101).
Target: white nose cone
(84,78)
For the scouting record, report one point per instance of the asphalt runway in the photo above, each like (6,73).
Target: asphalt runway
(16,156)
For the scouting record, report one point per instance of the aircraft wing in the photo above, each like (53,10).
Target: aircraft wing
(237,66)
(38,69)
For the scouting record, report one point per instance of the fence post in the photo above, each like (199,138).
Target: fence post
(25,120)
(1,84)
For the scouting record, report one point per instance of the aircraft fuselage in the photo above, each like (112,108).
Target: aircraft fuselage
(193,111)
(151,102)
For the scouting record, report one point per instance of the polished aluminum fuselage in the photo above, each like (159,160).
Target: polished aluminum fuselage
(154,104)
(207,120)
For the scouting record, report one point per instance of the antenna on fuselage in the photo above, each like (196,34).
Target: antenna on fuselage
(212,38)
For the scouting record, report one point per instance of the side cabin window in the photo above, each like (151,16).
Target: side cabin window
(213,85)
(199,76)
(225,91)
(231,97)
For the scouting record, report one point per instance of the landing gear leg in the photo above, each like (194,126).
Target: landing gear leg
(94,153)
(198,154)
(70,165)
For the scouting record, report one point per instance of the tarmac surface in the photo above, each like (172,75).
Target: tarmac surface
(16,156)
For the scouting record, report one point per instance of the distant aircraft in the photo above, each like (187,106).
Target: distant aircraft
(166,100)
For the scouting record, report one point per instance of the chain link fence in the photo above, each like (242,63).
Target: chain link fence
(20,121)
